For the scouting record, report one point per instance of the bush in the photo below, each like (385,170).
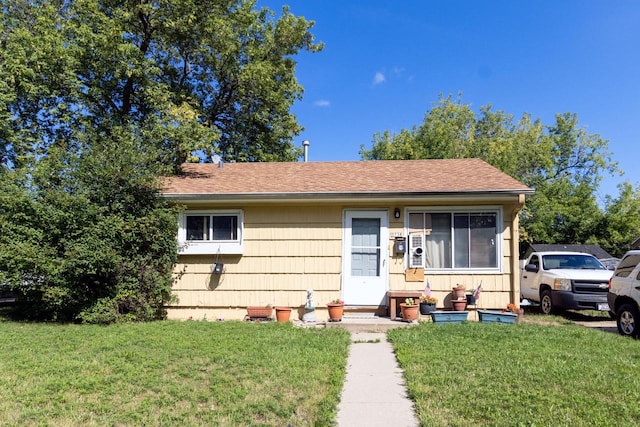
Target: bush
(87,239)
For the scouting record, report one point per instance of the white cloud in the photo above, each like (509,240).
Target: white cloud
(378,78)
(322,103)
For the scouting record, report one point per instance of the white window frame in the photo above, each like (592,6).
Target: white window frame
(461,209)
(207,247)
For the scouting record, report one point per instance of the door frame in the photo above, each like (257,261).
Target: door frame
(383,278)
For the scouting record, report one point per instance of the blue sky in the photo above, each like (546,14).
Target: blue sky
(385,63)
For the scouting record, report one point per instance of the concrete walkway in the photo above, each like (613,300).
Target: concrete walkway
(374,393)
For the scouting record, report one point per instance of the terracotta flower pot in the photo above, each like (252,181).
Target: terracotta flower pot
(409,312)
(335,312)
(283,314)
(458,292)
(459,305)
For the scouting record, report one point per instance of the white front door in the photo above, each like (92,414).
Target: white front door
(365,257)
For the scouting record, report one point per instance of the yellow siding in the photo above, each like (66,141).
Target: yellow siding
(293,248)
(289,249)
(257,282)
(266,265)
(294,216)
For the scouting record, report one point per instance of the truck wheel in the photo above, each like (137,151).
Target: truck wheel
(628,320)
(545,302)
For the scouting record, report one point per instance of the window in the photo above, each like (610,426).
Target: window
(571,262)
(459,240)
(365,247)
(212,227)
(211,232)
(627,265)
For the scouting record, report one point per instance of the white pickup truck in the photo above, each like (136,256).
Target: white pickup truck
(565,280)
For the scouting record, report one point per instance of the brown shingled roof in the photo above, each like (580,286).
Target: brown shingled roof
(358,177)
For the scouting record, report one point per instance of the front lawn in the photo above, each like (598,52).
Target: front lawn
(269,374)
(527,374)
(170,373)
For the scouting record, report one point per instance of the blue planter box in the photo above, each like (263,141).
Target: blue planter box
(449,316)
(489,316)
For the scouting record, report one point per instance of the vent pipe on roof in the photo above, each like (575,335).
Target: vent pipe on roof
(217,159)
(305,145)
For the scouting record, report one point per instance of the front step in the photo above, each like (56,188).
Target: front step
(365,311)
(366,319)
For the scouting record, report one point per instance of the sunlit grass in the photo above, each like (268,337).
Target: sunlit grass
(526,374)
(170,373)
(544,372)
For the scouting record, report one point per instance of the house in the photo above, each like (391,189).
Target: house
(362,231)
(605,258)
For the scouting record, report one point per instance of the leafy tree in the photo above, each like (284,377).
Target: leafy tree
(621,224)
(100,98)
(197,77)
(85,237)
(562,162)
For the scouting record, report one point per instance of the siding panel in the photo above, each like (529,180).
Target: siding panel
(289,249)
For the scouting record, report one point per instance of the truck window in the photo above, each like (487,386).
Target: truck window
(574,262)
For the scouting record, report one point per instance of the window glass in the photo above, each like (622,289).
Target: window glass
(438,240)
(571,262)
(461,231)
(457,239)
(482,240)
(197,227)
(212,227)
(627,265)
(225,227)
(211,232)
(416,223)
(535,261)
(365,247)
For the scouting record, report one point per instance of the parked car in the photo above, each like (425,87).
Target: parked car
(565,280)
(624,294)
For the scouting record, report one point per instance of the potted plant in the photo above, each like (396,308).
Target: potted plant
(283,314)
(409,309)
(459,291)
(336,310)
(259,312)
(427,304)
(458,298)
(472,297)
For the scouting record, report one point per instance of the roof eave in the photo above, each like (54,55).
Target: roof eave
(497,195)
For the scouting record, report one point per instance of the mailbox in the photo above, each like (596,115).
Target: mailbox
(400,246)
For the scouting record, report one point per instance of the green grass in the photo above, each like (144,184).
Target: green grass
(544,372)
(170,373)
(528,374)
